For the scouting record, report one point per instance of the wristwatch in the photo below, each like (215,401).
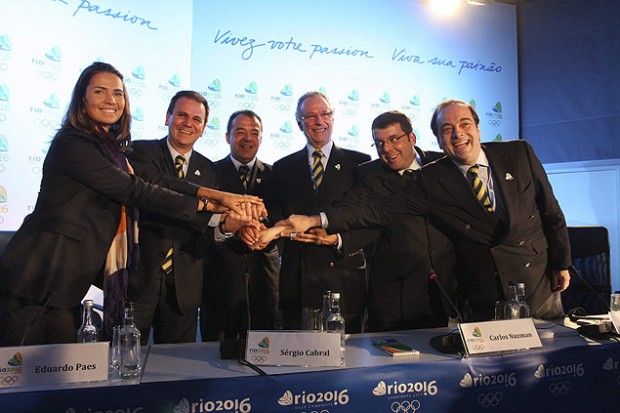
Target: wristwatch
(205,201)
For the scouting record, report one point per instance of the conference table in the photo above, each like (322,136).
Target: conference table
(569,373)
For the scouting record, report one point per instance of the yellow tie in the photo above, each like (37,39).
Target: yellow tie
(317,169)
(479,188)
(244,174)
(179,161)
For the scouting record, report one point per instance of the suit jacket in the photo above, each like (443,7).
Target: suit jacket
(532,240)
(307,270)
(403,256)
(232,267)
(152,161)
(61,247)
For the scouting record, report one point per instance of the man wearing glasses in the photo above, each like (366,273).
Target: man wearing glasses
(307,182)
(499,207)
(406,253)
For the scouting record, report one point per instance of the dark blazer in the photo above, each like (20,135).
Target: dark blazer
(152,161)
(403,256)
(232,267)
(532,240)
(307,270)
(61,247)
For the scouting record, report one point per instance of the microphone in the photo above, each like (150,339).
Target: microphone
(450,343)
(573,270)
(433,277)
(46,303)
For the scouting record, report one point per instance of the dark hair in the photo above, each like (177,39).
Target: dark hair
(310,95)
(76,116)
(447,103)
(190,94)
(391,117)
(245,112)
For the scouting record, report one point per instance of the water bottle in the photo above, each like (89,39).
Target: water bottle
(130,364)
(518,307)
(335,323)
(87,333)
(325,310)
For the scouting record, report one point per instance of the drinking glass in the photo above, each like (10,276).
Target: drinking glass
(614,310)
(310,319)
(116,347)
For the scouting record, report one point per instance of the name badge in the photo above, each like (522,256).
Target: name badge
(294,348)
(53,364)
(499,336)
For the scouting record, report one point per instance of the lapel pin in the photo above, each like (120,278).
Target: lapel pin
(509,177)
(258,180)
(337,166)
(197,173)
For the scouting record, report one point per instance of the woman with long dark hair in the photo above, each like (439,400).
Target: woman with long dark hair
(83,229)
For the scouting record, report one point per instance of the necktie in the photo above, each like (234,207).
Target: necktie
(179,161)
(408,173)
(244,174)
(317,169)
(479,188)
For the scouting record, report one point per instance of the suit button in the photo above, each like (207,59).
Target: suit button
(467,226)
(532,216)
(520,243)
(527,264)
(331,264)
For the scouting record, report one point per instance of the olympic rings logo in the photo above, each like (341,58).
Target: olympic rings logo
(213,103)
(47,75)
(246,105)
(259,359)
(4,67)
(350,112)
(135,92)
(282,145)
(495,122)
(8,380)
(209,142)
(316,411)
(46,123)
(282,108)
(490,399)
(479,347)
(405,407)
(36,170)
(559,389)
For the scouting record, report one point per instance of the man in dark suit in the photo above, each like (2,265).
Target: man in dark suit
(511,229)
(305,183)
(239,282)
(167,285)
(406,253)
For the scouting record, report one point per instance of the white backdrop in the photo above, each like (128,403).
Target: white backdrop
(367,56)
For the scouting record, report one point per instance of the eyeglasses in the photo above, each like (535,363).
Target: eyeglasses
(391,140)
(313,117)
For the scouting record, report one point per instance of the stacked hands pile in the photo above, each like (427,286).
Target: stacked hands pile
(300,228)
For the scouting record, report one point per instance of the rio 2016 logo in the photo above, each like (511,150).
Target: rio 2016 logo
(333,396)
(421,387)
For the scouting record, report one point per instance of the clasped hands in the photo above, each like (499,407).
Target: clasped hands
(300,228)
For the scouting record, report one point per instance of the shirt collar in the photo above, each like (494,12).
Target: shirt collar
(175,153)
(327,150)
(238,164)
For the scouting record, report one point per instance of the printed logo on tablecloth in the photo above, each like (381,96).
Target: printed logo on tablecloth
(611,364)
(559,376)
(223,406)
(404,397)
(493,382)
(318,401)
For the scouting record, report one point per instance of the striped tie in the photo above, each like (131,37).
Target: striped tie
(479,188)
(317,169)
(179,161)
(244,174)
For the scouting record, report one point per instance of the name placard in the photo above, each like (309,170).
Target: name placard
(294,348)
(53,364)
(499,336)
